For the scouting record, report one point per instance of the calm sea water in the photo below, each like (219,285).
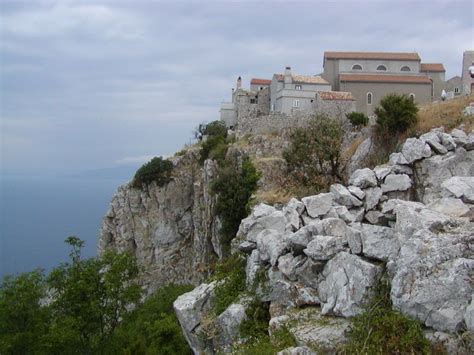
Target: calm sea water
(37,214)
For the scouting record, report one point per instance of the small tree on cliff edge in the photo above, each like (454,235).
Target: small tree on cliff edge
(396,114)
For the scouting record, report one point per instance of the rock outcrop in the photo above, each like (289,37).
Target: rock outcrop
(326,253)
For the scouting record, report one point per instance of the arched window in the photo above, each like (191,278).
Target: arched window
(357,67)
(382,68)
(412,97)
(405,68)
(369,98)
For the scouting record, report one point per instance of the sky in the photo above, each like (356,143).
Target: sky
(97,84)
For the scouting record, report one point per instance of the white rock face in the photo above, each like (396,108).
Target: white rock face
(372,197)
(415,149)
(251,268)
(257,222)
(270,245)
(357,192)
(397,158)
(433,140)
(460,187)
(292,211)
(343,196)
(346,285)
(297,350)
(432,277)
(378,242)
(394,182)
(469,315)
(228,324)
(318,205)
(449,206)
(190,309)
(324,247)
(363,178)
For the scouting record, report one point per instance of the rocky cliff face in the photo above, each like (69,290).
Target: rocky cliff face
(172,230)
(411,218)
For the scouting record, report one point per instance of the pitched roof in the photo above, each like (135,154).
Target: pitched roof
(335,95)
(383,78)
(303,79)
(432,67)
(373,55)
(256,81)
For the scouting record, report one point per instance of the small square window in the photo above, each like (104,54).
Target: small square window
(253,101)
(296,103)
(298,87)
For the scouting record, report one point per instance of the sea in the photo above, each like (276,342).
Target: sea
(38,213)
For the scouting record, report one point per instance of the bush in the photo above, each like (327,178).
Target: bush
(313,157)
(396,113)
(214,147)
(152,328)
(382,330)
(357,119)
(157,169)
(234,187)
(212,129)
(231,273)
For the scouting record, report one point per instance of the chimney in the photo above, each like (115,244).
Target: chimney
(239,82)
(288,78)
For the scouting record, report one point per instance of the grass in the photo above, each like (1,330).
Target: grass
(273,197)
(445,113)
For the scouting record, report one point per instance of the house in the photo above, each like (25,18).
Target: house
(436,72)
(290,93)
(259,84)
(453,86)
(370,76)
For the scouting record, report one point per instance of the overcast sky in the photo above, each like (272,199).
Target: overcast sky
(94,84)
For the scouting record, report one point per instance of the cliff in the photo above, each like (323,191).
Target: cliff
(318,260)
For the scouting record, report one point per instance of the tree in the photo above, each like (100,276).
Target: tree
(23,318)
(357,119)
(396,114)
(157,169)
(313,157)
(212,129)
(89,297)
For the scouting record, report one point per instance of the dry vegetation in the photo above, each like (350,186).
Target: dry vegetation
(445,113)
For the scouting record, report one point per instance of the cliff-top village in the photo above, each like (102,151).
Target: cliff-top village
(350,81)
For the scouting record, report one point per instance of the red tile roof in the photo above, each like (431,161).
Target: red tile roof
(255,81)
(432,67)
(335,95)
(372,55)
(303,79)
(383,78)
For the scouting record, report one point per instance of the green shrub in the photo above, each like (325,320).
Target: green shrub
(212,129)
(396,113)
(231,274)
(357,119)
(234,187)
(382,330)
(214,147)
(157,169)
(313,157)
(152,328)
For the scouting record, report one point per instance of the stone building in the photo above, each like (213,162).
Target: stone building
(453,86)
(467,80)
(259,84)
(290,93)
(370,76)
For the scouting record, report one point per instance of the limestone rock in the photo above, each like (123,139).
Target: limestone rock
(346,285)
(228,324)
(381,171)
(310,272)
(190,308)
(300,239)
(459,137)
(397,158)
(372,197)
(343,196)
(270,245)
(432,277)
(288,264)
(247,247)
(292,212)
(363,178)
(263,217)
(447,141)
(318,205)
(354,239)
(396,183)
(360,154)
(324,247)
(449,206)
(460,187)
(375,217)
(297,350)
(378,242)
(251,268)
(357,192)
(334,227)
(434,142)
(469,315)
(415,149)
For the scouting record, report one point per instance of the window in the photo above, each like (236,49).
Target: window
(412,97)
(253,101)
(405,68)
(297,87)
(357,67)
(456,90)
(273,107)
(382,68)
(296,103)
(369,98)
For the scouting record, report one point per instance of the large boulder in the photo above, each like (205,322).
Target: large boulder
(343,196)
(415,149)
(377,242)
(460,187)
(191,308)
(347,284)
(432,277)
(363,178)
(318,205)
(394,182)
(270,245)
(262,217)
(324,247)
(228,325)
